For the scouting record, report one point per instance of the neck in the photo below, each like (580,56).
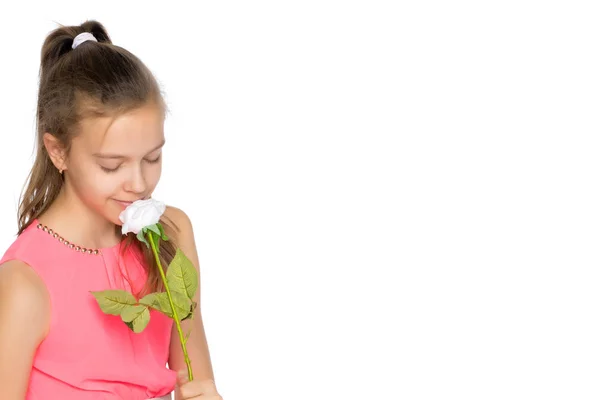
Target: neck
(74,221)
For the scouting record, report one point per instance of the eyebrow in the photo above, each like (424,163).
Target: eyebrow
(99,155)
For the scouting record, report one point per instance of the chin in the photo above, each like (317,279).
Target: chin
(112,215)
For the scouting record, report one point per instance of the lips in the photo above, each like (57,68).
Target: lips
(124,203)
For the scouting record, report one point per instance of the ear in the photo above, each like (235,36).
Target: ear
(56,151)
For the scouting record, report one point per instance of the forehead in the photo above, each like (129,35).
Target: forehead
(130,133)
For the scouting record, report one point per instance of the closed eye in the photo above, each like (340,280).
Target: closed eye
(108,169)
(157,159)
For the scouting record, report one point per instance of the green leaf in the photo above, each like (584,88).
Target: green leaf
(136,317)
(182,276)
(163,235)
(113,301)
(129,313)
(160,302)
(185,339)
(156,301)
(130,325)
(142,238)
(154,228)
(182,304)
(192,308)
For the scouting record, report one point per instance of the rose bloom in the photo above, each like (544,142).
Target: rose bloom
(140,214)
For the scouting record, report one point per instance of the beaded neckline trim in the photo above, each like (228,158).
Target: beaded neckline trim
(66,242)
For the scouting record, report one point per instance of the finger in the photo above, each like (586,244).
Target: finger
(182,377)
(189,392)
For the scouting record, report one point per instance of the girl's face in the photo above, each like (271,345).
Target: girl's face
(114,162)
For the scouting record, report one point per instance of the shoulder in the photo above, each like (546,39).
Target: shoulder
(180,218)
(19,279)
(24,299)
(182,229)
(184,233)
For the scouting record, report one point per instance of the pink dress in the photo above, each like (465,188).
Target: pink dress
(89,355)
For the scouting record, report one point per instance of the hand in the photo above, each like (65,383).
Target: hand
(196,389)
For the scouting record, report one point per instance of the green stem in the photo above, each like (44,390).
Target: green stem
(175,316)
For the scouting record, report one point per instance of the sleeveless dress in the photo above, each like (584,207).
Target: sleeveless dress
(89,355)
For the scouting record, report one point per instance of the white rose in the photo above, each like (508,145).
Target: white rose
(140,214)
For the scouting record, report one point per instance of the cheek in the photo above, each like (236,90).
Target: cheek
(153,175)
(95,184)
(102,187)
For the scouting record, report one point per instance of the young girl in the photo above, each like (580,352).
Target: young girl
(100,119)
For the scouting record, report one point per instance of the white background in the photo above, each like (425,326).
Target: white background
(391,200)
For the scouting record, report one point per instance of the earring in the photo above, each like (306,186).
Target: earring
(60,171)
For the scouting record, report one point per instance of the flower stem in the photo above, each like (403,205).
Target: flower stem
(175,316)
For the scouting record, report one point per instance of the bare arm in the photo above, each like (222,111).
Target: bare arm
(196,345)
(24,322)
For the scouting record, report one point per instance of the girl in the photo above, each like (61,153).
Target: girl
(100,119)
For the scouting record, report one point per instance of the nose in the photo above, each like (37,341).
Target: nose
(136,182)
